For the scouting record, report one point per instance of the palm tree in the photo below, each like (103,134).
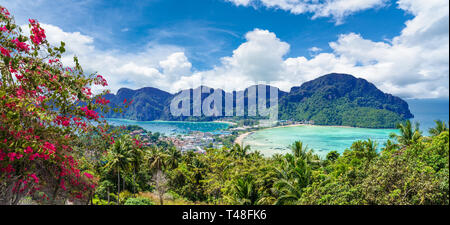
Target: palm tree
(156,159)
(302,152)
(119,159)
(277,157)
(407,135)
(295,174)
(256,155)
(136,156)
(239,151)
(364,149)
(298,151)
(173,157)
(370,149)
(245,192)
(390,145)
(440,127)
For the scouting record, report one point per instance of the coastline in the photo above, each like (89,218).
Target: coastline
(168,121)
(239,140)
(223,121)
(241,137)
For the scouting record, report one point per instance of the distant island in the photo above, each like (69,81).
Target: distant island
(332,99)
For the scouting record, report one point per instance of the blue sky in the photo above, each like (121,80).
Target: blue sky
(179,43)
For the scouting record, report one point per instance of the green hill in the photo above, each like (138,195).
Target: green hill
(332,99)
(341,99)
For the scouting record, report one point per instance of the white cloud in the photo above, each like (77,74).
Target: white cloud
(414,64)
(175,65)
(241,2)
(150,67)
(259,57)
(132,68)
(315,49)
(338,9)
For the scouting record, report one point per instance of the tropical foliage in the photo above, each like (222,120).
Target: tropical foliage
(405,170)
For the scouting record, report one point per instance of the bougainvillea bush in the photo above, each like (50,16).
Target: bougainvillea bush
(44,106)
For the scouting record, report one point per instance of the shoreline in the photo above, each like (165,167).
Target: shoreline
(170,121)
(223,121)
(239,140)
(233,123)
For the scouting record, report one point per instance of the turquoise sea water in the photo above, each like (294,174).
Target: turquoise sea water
(320,138)
(171,128)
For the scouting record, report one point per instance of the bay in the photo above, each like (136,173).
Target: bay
(324,139)
(172,128)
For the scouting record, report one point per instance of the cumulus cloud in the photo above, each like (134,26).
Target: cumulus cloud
(313,51)
(414,64)
(175,65)
(153,66)
(337,9)
(260,56)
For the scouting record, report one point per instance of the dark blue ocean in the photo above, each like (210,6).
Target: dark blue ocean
(427,110)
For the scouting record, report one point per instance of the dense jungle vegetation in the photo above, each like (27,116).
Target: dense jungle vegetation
(408,169)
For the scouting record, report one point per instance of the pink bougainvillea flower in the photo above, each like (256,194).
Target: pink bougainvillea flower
(51,61)
(12,156)
(28,150)
(38,34)
(50,147)
(5,52)
(62,120)
(35,178)
(87,92)
(102,101)
(90,114)
(101,81)
(33,156)
(32,143)
(4,29)
(5,12)
(21,46)
(88,175)
(62,185)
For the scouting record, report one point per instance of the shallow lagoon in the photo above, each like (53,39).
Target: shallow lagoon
(320,138)
(325,139)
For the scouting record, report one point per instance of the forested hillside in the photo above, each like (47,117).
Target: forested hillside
(333,99)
